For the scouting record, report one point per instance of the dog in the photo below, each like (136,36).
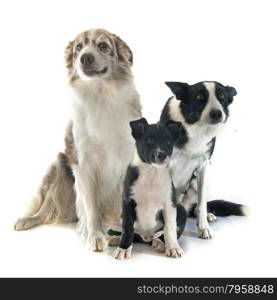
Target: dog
(150,206)
(203,110)
(99,145)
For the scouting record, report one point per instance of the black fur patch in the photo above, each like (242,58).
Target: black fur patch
(128,211)
(224,208)
(165,117)
(64,162)
(173,195)
(181,219)
(129,217)
(159,216)
(165,112)
(131,176)
(220,208)
(211,147)
(112,232)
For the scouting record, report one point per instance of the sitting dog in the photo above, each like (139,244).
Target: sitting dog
(99,145)
(149,199)
(202,109)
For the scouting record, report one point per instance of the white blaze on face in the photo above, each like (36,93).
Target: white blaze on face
(213,103)
(78,64)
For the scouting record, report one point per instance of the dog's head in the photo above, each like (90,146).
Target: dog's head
(96,54)
(205,102)
(155,142)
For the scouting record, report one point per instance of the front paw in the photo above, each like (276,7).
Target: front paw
(211,217)
(97,242)
(174,252)
(158,245)
(205,233)
(120,253)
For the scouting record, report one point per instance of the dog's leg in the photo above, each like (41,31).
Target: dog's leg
(181,219)
(91,223)
(124,249)
(28,223)
(55,199)
(81,213)
(204,230)
(172,248)
(41,217)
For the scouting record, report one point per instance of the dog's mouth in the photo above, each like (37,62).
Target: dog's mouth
(92,72)
(161,164)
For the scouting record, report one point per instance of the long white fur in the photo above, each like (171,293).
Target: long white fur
(101,116)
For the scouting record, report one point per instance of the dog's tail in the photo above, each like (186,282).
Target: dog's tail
(222,208)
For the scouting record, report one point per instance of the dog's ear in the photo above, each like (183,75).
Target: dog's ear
(231,92)
(68,55)
(179,89)
(175,128)
(138,128)
(123,51)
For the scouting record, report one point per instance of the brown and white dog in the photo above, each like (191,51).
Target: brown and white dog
(99,146)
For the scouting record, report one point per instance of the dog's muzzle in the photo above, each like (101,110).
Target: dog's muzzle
(215,116)
(87,61)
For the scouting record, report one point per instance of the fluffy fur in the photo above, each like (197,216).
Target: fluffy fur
(99,145)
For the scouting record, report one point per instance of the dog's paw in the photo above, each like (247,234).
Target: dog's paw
(211,217)
(158,245)
(25,223)
(174,252)
(114,240)
(97,243)
(120,253)
(205,233)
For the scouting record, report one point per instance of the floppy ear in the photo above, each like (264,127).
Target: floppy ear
(174,128)
(68,55)
(123,51)
(179,89)
(231,93)
(138,128)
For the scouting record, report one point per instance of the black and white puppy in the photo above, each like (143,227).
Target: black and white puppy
(150,207)
(202,109)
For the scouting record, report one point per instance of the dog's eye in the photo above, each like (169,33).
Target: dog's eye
(200,96)
(103,46)
(79,46)
(221,96)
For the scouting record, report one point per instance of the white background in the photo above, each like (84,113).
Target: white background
(233,42)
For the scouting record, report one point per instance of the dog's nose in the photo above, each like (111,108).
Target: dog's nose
(215,116)
(161,156)
(87,59)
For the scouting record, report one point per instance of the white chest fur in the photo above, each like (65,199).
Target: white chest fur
(182,165)
(101,116)
(151,192)
(195,152)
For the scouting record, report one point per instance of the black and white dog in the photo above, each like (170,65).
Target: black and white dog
(150,207)
(202,109)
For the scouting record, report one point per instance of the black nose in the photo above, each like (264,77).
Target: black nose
(87,59)
(161,156)
(215,115)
